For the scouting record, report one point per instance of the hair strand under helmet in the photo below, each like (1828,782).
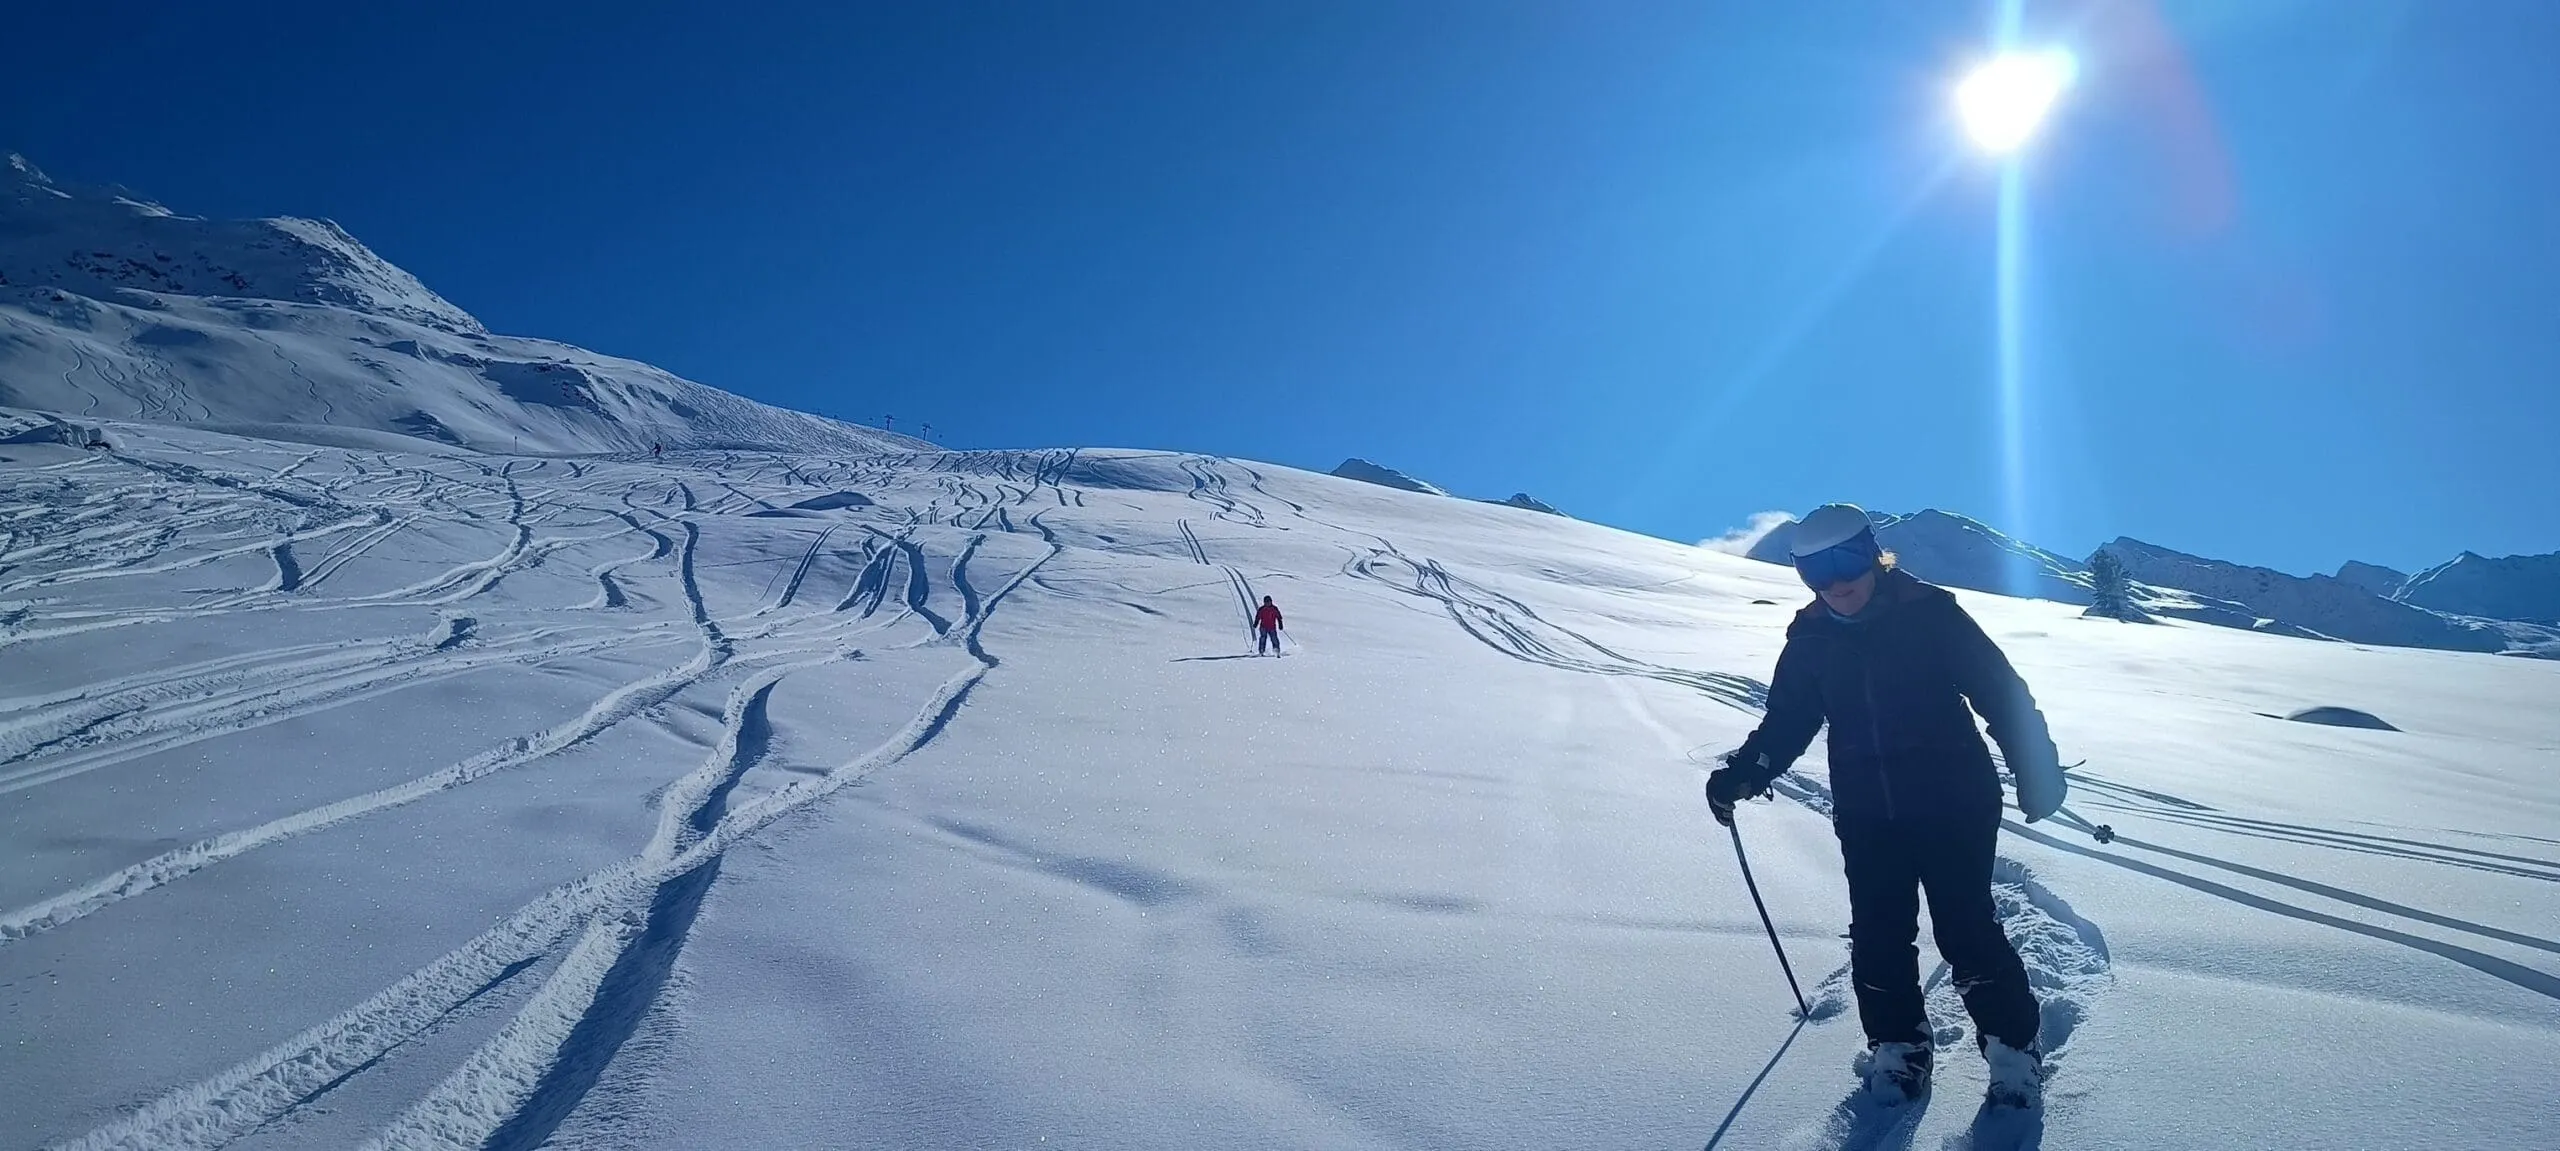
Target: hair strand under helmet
(1834,543)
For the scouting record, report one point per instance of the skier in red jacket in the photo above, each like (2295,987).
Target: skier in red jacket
(1266,628)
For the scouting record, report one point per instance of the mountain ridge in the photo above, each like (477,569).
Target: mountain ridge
(114,307)
(1951,549)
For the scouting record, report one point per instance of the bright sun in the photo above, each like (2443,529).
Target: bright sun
(2004,101)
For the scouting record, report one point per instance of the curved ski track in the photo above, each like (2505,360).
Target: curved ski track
(615,933)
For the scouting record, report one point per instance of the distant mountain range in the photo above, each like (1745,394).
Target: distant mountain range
(1384,476)
(2513,587)
(2470,603)
(1387,477)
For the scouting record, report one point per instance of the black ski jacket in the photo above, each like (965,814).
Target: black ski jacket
(1894,686)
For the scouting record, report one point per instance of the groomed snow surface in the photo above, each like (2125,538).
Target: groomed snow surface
(354,798)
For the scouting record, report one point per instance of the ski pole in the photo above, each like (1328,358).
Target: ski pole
(2103,833)
(1745,861)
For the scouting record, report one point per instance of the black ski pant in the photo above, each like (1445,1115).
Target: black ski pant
(1265,639)
(1890,862)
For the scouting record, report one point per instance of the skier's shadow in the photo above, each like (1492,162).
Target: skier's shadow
(2001,1129)
(1860,1123)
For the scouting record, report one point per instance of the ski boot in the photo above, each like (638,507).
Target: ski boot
(2017,1077)
(1897,1073)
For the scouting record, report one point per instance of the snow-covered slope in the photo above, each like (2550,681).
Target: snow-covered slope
(113,307)
(99,242)
(2511,587)
(357,798)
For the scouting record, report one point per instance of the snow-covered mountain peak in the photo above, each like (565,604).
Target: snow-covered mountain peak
(1959,551)
(104,241)
(2480,605)
(24,181)
(2375,578)
(2328,606)
(1375,473)
(1525,501)
(2525,587)
(23,171)
(112,307)
(17,169)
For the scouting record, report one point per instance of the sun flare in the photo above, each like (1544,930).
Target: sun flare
(2004,101)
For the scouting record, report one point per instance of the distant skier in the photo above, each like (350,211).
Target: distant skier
(654,449)
(1890,663)
(1266,628)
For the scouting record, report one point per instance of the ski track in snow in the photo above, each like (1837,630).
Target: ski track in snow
(1236,581)
(615,933)
(2067,963)
(1513,628)
(518,1087)
(612,938)
(2065,954)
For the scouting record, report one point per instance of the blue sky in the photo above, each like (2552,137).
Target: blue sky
(2292,286)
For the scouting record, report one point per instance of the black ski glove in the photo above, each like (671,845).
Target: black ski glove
(1733,783)
(2038,777)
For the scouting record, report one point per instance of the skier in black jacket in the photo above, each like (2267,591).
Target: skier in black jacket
(1890,663)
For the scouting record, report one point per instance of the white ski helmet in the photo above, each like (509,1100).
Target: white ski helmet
(1828,526)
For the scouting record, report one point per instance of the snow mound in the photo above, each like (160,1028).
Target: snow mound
(833,500)
(2341,717)
(51,431)
(1383,476)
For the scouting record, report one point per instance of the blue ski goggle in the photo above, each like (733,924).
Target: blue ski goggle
(1841,562)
